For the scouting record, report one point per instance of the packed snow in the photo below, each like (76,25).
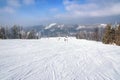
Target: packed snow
(56,59)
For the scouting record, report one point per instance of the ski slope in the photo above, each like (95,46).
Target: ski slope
(53,59)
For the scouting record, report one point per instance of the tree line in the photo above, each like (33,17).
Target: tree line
(17,32)
(112,35)
(108,35)
(95,34)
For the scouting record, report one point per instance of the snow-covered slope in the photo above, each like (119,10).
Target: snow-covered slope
(80,27)
(50,26)
(54,59)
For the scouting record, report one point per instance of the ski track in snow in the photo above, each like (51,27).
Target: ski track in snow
(50,59)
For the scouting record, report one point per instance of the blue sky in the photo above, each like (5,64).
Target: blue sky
(35,12)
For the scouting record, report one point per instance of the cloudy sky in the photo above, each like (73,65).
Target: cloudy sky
(35,12)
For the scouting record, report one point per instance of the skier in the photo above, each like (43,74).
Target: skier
(66,38)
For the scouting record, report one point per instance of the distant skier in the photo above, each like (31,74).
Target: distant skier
(66,39)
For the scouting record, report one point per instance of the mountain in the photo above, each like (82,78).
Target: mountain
(54,29)
(37,28)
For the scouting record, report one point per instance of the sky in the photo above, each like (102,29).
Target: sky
(36,12)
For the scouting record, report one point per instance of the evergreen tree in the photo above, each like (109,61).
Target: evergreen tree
(16,32)
(31,35)
(2,33)
(106,37)
(112,36)
(117,35)
(7,33)
(96,36)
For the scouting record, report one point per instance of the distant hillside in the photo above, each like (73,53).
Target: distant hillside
(54,29)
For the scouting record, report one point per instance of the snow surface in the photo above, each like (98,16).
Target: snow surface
(54,59)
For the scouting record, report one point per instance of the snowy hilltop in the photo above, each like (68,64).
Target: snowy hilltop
(56,59)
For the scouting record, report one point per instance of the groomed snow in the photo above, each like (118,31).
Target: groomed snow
(53,59)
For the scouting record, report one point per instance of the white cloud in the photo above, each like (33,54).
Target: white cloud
(7,9)
(13,3)
(28,2)
(10,7)
(90,9)
(53,9)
